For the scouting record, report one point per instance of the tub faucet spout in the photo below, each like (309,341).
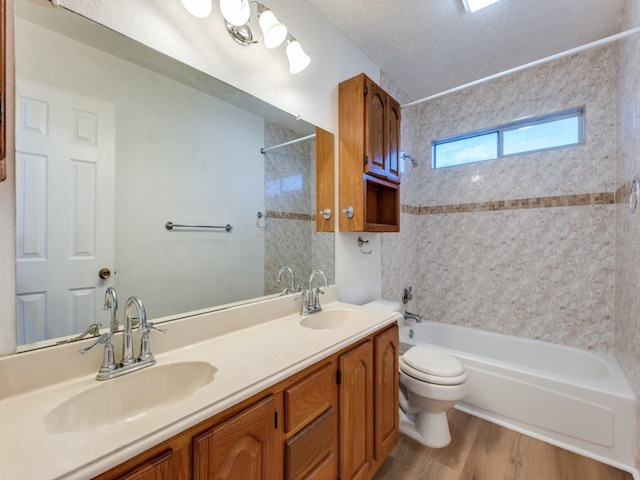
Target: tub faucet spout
(412,316)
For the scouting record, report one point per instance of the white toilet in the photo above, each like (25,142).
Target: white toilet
(431,382)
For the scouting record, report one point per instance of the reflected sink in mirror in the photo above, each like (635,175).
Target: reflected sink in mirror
(333,319)
(129,397)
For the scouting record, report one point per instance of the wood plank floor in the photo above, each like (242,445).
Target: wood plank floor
(481,450)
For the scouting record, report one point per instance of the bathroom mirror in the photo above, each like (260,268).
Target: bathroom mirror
(115,140)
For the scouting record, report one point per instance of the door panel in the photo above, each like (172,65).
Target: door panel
(65,178)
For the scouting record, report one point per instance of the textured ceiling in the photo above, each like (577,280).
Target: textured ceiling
(429,46)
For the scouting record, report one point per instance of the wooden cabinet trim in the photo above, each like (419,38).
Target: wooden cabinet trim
(3,89)
(325,179)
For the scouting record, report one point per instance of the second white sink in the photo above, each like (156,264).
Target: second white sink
(129,397)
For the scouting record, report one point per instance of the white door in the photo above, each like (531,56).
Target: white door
(65,178)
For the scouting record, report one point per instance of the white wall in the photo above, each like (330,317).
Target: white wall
(204,44)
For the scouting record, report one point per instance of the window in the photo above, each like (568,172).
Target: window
(556,130)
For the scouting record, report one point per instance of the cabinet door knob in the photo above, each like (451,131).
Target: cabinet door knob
(348,212)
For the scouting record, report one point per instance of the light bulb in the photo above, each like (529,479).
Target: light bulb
(198,8)
(236,12)
(274,32)
(298,60)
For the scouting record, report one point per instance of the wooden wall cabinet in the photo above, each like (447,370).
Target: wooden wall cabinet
(335,419)
(369,143)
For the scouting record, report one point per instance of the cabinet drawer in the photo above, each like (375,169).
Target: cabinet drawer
(308,451)
(309,398)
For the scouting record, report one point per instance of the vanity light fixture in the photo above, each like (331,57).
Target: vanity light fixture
(198,8)
(298,60)
(475,5)
(237,15)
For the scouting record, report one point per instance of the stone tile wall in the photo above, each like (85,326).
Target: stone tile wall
(627,298)
(521,245)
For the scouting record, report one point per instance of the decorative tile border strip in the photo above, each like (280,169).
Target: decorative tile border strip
(291,216)
(603,198)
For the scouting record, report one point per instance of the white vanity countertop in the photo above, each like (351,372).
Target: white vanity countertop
(247,361)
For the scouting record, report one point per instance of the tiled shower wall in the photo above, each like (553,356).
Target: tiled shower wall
(520,245)
(290,234)
(627,340)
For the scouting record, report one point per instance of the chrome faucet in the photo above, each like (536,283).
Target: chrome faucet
(111,369)
(292,276)
(111,303)
(313,302)
(412,316)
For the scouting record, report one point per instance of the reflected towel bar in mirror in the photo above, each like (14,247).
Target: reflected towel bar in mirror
(171,226)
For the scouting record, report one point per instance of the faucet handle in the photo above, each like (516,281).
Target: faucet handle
(104,338)
(108,361)
(151,326)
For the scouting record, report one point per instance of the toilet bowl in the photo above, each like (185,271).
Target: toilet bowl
(431,382)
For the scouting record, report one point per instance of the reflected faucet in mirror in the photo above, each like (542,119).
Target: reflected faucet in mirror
(111,303)
(292,276)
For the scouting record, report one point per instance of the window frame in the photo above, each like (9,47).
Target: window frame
(575,112)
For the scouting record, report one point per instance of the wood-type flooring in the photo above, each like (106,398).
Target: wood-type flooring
(481,450)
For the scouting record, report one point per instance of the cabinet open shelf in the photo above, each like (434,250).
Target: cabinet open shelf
(382,205)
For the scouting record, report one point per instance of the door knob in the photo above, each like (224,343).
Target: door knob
(104,273)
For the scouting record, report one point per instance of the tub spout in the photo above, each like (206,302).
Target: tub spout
(412,316)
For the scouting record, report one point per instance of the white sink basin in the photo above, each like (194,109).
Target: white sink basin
(333,319)
(128,397)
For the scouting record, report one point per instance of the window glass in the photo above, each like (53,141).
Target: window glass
(466,150)
(552,134)
(529,135)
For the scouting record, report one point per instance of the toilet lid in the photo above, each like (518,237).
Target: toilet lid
(432,361)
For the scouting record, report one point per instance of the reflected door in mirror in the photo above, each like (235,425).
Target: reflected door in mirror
(65,169)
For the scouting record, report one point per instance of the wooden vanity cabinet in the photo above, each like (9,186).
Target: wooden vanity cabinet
(368,405)
(369,157)
(334,419)
(241,447)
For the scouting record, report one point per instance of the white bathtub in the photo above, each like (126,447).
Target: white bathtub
(576,399)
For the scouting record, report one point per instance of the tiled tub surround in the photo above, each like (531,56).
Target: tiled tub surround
(520,245)
(290,237)
(627,261)
(252,347)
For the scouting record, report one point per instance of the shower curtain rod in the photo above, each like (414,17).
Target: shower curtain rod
(290,142)
(586,46)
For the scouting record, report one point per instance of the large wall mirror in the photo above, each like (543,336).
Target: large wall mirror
(114,140)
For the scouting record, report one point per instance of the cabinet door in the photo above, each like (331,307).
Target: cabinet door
(241,448)
(375,130)
(157,468)
(356,412)
(386,392)
(392,151)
